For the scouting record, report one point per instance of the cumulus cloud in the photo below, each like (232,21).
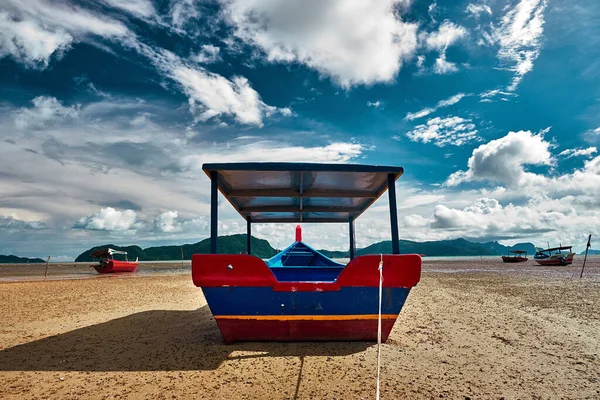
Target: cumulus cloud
(375,104)
(45,110)
(442,103)
(14,222)
(211,95)
(167,222)
(208,54)
(32,31)
(477,9)
(455,131)
(592,135)
(447,34)
(578,152)
(29,43)
(109,219)
(519,36)
(138,8)
(182,11)
(352,42)
(503,160)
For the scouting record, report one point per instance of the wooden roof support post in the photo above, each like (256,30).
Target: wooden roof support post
(393,213)
(352,239)
(249,233)
(214,209)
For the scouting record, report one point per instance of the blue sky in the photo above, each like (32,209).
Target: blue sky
(110,108)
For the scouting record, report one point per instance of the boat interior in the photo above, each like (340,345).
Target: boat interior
(301,263)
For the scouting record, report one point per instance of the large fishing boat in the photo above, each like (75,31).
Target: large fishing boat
(108,264)
(300,294)
(555,256)
(515,256)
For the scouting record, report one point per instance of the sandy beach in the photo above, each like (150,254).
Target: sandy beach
(473,328)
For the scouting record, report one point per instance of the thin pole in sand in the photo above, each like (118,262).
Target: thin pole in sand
(47,262)
(181,255)
(585,258)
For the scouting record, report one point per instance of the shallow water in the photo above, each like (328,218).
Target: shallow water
(445,265)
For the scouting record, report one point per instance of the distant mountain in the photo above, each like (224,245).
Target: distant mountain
(595,252)
(233,244)
(19,260)
(456,247)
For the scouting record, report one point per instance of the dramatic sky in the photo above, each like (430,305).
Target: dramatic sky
(109,108)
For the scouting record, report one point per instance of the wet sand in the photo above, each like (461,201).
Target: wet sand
(471,328)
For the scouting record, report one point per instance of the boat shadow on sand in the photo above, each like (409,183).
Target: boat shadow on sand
(159,340)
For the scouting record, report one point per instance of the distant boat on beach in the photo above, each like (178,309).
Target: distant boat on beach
(515,256)
(555,256)
(108,264)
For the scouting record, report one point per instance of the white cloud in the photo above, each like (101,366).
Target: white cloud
(442,66)
(167,222)
(375,104)
(138,8)
(29,43)
(109,219)
(578,152)
(447,34)
(12,221)
(519,35)
(45,110)
(31,31)
(352,42)
(455,131)
(503,160)
(477,9)
(592,135)
(211,95)
(490,95)
(337,152)
(208,54)
(183,11)
(442,103)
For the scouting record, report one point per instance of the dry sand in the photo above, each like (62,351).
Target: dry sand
(470,329)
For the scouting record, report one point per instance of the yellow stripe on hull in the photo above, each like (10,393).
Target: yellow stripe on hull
(308,317)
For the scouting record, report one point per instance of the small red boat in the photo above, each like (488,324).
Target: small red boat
(108,264)
(515,256)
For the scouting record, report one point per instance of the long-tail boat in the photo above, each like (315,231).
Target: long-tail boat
(555,256)
(515,256)
(300,294)
(108,264)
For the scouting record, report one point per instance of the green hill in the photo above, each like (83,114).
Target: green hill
(590,252)
(456,247)
(236,244)
(233,244)
(19,260)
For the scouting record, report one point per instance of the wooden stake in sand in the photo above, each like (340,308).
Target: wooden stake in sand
(585,258)
(46,272)
(181,255)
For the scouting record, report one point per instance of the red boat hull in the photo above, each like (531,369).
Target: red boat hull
(514,259)
(114,266)
(555,261)
(330,329)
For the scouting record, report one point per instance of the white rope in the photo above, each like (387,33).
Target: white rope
(379,326)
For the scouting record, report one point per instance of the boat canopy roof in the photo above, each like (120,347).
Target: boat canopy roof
(517,251)
(558,248)
(100,253)
(301,192)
